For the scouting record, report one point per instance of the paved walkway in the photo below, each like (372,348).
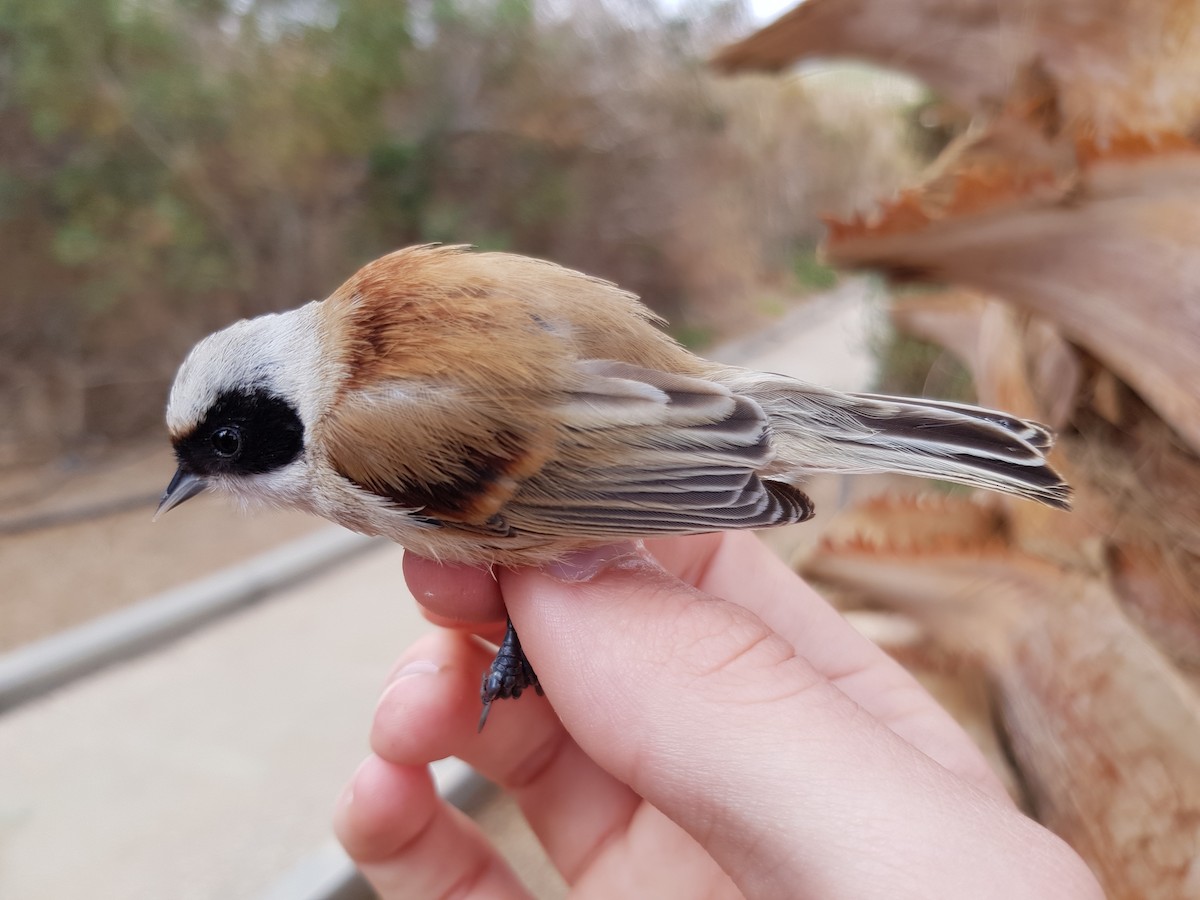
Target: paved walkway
(207,769)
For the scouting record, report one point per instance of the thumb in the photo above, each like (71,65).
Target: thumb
(703,710)
(661,684)
(613,633)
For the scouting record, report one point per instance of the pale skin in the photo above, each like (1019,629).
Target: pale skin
(712,728)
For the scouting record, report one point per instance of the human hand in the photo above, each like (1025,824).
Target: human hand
(754,745)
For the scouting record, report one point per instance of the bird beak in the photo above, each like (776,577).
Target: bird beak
(184,486)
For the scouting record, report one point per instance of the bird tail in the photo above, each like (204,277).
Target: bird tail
(821,430)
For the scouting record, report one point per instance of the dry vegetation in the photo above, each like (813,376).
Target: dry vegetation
(166,167)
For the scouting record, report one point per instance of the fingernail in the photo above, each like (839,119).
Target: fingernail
(416,667)
(408,670)
(347,795)
(584,565)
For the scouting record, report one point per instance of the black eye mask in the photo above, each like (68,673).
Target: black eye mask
(245,432)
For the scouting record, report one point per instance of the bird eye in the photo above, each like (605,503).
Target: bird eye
(227,441)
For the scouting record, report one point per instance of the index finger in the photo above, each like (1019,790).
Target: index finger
(454,595)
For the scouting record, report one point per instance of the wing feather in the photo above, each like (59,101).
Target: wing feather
(446,454)
(692,466)
(773,504)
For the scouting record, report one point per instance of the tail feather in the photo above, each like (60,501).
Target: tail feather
(820,430)
(1035,434)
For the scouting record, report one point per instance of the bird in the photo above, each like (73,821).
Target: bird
(494,409)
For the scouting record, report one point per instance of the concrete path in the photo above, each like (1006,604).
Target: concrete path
(206,770)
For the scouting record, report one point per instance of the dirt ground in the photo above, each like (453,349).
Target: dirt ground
(53,576)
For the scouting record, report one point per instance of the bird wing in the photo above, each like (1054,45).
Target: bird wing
(623,451)
(444,453)
(648,452)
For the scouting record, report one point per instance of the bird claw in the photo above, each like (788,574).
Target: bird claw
(509,674)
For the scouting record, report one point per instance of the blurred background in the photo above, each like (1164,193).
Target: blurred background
(974,199)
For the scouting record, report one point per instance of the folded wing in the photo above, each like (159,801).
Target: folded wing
(647,452)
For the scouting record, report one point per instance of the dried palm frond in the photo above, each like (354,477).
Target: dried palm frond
(1105,731)
(1120,67)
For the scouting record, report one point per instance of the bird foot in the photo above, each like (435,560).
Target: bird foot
(509,674)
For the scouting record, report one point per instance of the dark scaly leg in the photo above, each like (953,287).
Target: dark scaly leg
(509,674)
